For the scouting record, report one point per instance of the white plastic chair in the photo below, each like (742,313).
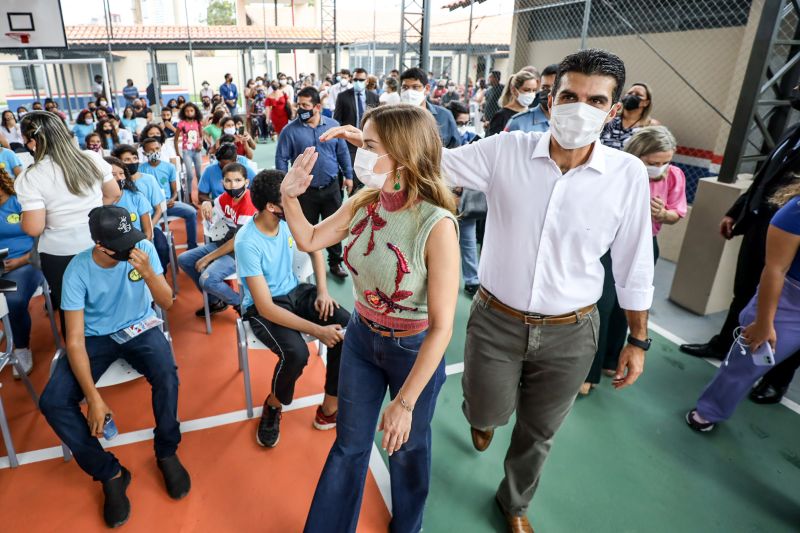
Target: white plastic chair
(173,254)
(246,339)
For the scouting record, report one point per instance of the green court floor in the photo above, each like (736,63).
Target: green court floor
(624,461)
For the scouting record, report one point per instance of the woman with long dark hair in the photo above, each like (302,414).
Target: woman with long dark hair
(57,192)
(108,134)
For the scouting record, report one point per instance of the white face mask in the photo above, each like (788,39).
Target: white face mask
(462,130)
(410,96)
(229,131)
(364,166)
(282,82)
(526,99)
(576,125)
(88,121)
(656,172)
(343,82)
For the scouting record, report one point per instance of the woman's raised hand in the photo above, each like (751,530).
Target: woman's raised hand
(299,176)
(350,134)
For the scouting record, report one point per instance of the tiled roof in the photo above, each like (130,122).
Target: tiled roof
(460,4)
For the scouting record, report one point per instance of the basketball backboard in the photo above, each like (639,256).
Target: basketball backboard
(39,22)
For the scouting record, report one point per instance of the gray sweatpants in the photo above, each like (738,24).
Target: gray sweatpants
(536,369)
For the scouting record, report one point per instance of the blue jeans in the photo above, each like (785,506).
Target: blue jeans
(469,250)
(738,373)
(371,363)
(189,215)
(212,279)
(28,280)
(150,355)
(193,164)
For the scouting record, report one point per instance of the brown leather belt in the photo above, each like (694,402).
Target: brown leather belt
(389,332)
(531,319)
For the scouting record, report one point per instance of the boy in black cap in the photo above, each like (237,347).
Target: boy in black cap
(108,294)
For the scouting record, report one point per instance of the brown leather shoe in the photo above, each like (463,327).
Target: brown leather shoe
(338,271)
(481,439)
(516,524)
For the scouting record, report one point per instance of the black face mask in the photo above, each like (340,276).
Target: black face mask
(121,184)
(543,95)
(236,193)
(121,255)
(133,168)
(794,99)
(305,115)
(631,102)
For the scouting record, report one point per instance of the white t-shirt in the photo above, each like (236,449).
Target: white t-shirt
(389,98)
(125,137)
(14,135)
(42,186)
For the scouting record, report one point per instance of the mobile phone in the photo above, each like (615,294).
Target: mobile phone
(109,428)
(764,356)
(241,130)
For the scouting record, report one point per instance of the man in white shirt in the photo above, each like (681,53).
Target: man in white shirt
(342,84)
(557,202)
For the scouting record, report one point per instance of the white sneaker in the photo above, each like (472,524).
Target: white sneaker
(25,358)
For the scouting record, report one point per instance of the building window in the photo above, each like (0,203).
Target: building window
(167,73)
(441,66)
(383,63)
(21,79)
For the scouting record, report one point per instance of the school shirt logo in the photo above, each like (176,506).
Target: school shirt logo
(291,243)
(13,218)
(134,275)
(133,216)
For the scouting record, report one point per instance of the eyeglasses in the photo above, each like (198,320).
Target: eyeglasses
(459,124)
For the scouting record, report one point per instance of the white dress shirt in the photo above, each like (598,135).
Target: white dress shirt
(333,94)
(546,231)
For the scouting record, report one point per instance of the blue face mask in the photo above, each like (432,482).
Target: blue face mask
(359,86)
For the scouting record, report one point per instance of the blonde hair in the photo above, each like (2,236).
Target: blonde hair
(516,81)
(786,193)
(650,140)
(411,138)
(54,139)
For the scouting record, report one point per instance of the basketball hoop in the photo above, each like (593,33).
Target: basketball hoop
(22,37)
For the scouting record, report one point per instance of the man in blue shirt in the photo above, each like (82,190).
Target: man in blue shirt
(279,308)
(210,184)
(10,162)
(229,93)
(130,93)
(108,295)
(323,197)
(415,90)
(165,174)
(536,118)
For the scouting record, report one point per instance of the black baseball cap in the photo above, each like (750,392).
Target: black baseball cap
(111,226)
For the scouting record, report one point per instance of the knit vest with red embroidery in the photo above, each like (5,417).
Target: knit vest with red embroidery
(385,254)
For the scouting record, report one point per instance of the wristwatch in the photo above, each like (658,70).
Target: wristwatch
(643,344)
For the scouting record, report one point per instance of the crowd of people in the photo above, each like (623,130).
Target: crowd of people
(562,178)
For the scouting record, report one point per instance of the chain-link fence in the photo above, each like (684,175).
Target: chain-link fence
(692,54)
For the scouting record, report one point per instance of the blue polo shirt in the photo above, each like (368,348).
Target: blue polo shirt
(149,187)
(258,254)
(163,172)
(229,92)
(211,180)
(333,155)
(530,120)
(12,237)
(448,130)
(136,204)
(111,298)
(10,160)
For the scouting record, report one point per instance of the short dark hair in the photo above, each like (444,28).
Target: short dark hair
(495,74)
(360,70)
(344,71)
(457,108)
(150,140)
(594,61)
(226,152)
(121,149)
(309,92)
(549,70)
(414,73)
(266,188)
(235,167)
(226,139)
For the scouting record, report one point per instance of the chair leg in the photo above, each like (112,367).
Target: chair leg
(207,313)
(12,454)
(51,314)
(66,452)
(244,364)
(173,263)
(323,352)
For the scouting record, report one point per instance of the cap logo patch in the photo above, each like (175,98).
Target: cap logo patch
(124,227)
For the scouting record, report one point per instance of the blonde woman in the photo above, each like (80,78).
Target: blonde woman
(637,106)
(518,94)
(402,251)
(57,192)
(770,322)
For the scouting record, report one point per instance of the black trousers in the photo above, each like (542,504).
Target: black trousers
(319,204)
(749,265)
(289,345)
(53,268)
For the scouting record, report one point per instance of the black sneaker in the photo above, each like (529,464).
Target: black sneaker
(269,428)
(471,289)
(117,506)
(176,478)
(213,309)
(696,425)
